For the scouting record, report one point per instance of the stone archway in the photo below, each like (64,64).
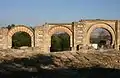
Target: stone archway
(60,29)
(20,28)
(100,25)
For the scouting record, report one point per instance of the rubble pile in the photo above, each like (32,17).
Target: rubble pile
(90,59)
(79,59)
(9,54)
(79,64)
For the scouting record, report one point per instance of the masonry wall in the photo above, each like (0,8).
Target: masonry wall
(39,38)
(78,28)
(81,30)
(3,38)
(117,35)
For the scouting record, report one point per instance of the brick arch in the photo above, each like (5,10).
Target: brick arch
(19,28)
(59,29)
(100,25)
(56,29)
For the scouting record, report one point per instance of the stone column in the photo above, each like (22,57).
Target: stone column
(117,29)
(46,39)
(71,43)
(3,38)
(74,36)
(32,41)
(9,42)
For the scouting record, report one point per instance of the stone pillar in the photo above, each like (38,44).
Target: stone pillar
(9,42)
(47,39)
(71,43)
(3,38)
(32,41)
(117,29)
(74,36)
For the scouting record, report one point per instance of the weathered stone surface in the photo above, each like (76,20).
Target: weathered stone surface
(79,33)
(24,47)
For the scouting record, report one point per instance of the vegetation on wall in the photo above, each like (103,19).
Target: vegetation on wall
(10,26)
(60,42)
(20,39)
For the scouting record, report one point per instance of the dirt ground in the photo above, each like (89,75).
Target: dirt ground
(93,64)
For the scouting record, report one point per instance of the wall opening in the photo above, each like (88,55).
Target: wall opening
(60,41)
(102,37)
(80,46)
(20,39)
(77,47)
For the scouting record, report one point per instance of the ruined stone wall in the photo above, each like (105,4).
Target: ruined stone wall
(52,28)
(40,38)
(3,38)
(83,29)
(78,28)
(20,28)
(79,33)
(118,32)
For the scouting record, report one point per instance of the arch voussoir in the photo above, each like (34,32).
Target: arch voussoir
(20,28)
(56,29)
(105,26)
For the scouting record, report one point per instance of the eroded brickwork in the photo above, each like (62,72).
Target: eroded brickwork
(39,37)
(3,38)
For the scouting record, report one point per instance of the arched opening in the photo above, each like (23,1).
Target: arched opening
(20,28)
(102,37)
(60,41)
(20,39)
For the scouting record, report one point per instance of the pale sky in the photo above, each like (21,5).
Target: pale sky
(37,12)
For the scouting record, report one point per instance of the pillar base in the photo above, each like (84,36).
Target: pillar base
(117,47)
(73,49)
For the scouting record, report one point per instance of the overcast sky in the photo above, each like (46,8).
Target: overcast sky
(37,12)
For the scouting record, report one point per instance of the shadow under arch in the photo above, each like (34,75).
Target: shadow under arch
(20,28)
(60,42)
